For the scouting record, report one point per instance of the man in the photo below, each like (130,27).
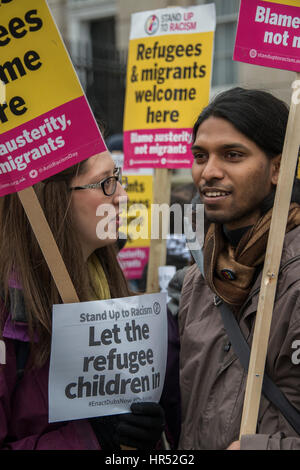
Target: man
(237,145)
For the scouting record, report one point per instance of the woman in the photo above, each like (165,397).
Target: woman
(86,242)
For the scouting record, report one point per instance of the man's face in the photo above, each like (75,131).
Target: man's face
(232,174)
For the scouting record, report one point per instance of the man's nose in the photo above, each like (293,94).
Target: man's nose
(213,169)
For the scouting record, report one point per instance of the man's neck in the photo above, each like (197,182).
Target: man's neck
(234,236)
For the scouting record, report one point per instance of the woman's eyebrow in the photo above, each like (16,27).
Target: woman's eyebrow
(103,175)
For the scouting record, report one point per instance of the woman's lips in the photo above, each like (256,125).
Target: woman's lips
(116,220)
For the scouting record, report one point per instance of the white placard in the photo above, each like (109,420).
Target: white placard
(106,355)
(118,158)
(2,352)
(165,274)
(173,20)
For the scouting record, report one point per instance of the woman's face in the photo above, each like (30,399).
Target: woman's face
(95,215)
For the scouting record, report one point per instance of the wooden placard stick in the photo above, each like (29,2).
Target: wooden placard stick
(2,92)
(158,247)
(2,344)
(48,245)
(271,267)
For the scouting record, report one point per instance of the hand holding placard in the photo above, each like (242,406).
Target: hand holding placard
(100,366)
(142,428)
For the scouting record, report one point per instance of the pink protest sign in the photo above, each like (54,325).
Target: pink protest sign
(268,34)
(133,261)
(158,148)
(47,145)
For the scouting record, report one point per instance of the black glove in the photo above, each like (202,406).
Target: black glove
(105,429)
(142,428)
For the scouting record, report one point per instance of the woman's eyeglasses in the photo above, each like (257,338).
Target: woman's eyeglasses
(108,185)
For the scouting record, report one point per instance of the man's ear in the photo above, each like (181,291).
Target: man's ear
(275,169)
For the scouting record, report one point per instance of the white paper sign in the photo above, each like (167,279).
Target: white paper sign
(106,355)
(173,20)
(165,274)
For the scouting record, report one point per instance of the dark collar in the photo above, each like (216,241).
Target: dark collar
(234,236)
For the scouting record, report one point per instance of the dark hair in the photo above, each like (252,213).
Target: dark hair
(258,115)
(115,142)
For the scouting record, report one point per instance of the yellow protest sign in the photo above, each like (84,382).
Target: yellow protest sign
(159,97)
(46,123)
(292,3)
(27,26)
(137,227)
(168,83)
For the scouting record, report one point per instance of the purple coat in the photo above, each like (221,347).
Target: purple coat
(24,407)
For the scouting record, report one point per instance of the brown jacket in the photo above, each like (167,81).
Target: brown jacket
(211,377)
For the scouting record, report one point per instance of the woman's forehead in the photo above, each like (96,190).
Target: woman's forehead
(99,164)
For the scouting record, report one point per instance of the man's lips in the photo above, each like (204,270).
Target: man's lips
(213,195)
